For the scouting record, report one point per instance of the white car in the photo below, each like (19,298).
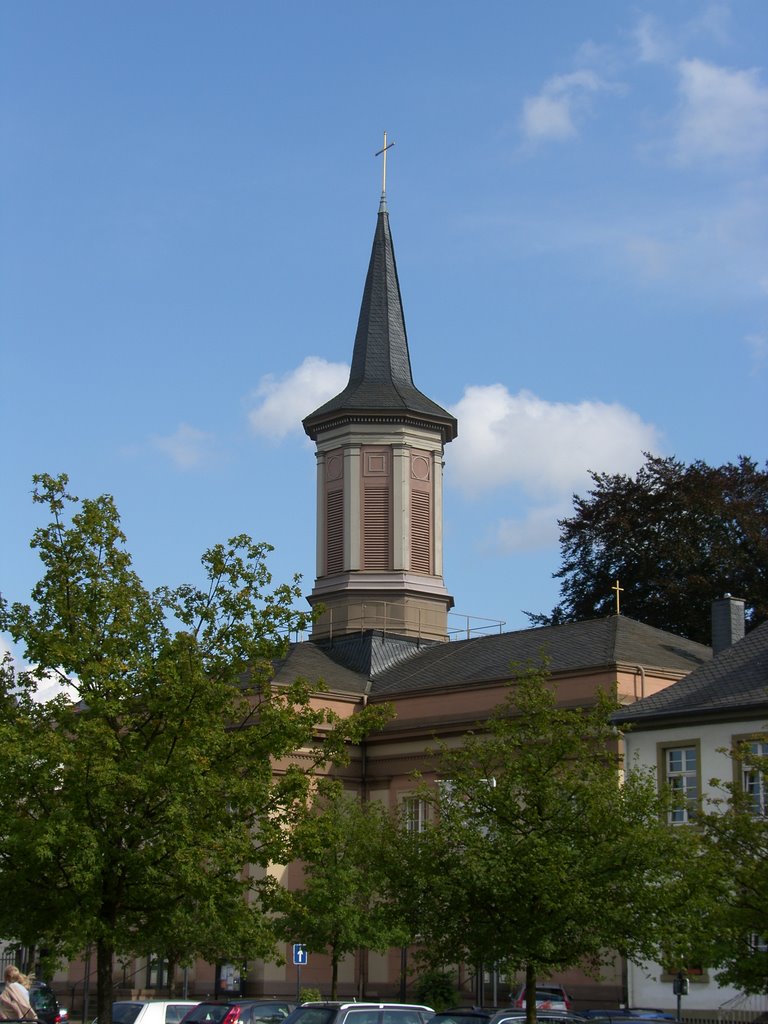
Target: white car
(154,1011)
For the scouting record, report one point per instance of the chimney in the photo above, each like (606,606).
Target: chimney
(727,622)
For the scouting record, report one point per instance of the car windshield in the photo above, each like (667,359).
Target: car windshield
(125,1013)
(175,1011)
(268,1013)
(401,1016)
(208,1013)
(313,1014)
(541,1018)
(459,1017)
(42,999)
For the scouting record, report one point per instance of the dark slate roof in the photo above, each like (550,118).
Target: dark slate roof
(380,381)
(574,646)
(396,665)
(373,651)
(735,681)
(307,661)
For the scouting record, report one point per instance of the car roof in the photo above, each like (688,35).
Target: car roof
(369,1005)
(242,1000)
(518,1014)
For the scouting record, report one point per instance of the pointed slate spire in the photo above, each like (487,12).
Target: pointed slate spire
(380,380)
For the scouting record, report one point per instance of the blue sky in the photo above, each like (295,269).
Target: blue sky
(577,196)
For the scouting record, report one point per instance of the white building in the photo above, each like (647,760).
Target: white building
(683,733)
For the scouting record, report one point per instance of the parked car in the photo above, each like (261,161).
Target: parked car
(542,1017)
(239,1011)
(548,997)
(463,1015)
(44,1003)
(150,1011)
(619,1017)
(331,1012)
(633,1014)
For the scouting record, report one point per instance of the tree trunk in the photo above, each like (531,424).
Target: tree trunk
(334,974)
(104,991)
(530,994)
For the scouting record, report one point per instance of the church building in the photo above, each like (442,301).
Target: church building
(381,631)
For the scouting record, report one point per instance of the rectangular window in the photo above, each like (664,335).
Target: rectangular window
(415,813)
(681,772)
(157,971)
(753,780)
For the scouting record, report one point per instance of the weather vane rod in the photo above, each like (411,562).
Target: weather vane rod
(383,151)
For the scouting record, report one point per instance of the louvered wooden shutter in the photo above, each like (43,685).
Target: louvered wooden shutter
(377,529)
(334,538)
(421,546)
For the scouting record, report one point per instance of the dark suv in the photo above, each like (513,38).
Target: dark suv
(239,1011)
(44,1003)
(360,1013)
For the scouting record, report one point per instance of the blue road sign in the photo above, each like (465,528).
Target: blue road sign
(299,954)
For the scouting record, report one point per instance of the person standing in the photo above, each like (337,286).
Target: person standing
(14,999)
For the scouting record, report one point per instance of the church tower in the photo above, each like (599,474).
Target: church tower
(380,480)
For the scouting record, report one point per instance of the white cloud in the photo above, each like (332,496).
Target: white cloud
(545,448)
(537,530)
(563,101)
(282,402)
(712,22)
(663,42)
(544,451)
(48,686)
(723,114)
(187,448)
(653,44)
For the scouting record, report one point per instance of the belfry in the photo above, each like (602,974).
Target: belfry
(380,479)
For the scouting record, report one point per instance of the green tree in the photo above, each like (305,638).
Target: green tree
(538,859)
(343,905)
(675,536)
(134,812)
(733,932)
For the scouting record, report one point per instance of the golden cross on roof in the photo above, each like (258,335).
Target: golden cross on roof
(618,590)
(384,168)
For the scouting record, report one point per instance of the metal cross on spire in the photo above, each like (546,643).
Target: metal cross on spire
(383,151)
(618,590)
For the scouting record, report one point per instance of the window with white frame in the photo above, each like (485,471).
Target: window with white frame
(753,780)
(415,813)
(681,771)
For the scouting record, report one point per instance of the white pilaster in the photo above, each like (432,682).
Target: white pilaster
(352,524)
(437,484)
(320,516)
(401,508)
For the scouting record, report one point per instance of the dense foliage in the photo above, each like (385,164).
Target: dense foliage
(537,858)
(733,936)
(136,801)
(675,536)
(342,905)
